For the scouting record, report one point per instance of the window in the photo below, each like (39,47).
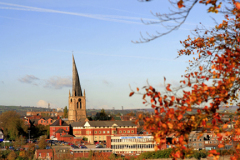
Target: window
(39,155)
(66,128)
(128,131)
(99,137)
(41,121)
(120,131)
(132,131)
(87,132)
(99,132)
(107,131)
(95,132)
(47,154)
(124,131)
(103,131)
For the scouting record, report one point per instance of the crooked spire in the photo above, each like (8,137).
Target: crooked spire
(76,87)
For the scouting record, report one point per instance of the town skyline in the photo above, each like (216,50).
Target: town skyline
(40,37)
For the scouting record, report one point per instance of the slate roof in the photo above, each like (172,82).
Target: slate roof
(110,123)
(61,131)
(77,124)
(56,123)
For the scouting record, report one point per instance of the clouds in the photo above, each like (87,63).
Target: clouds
(28,79)
(44,104)
(54,82)
(58,82)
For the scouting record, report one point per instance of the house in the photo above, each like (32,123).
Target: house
(44,154)
(61,125)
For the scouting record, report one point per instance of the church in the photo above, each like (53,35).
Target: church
(76,100)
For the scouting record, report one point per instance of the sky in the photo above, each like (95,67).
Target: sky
(39,37)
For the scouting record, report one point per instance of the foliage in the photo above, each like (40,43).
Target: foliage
(12,156)
(156,154)
(13,126)
(65,114)
(19,141)
(211,80)
(42,142)
(85,139)
(38,130)
(102,116)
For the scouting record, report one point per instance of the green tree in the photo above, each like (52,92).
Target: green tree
(65,115)
(102,115)
(13,126)
(42,143)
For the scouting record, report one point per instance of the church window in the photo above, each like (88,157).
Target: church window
(79,103)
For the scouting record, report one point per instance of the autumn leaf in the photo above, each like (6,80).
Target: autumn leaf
(220,146)
(180,4)
(237,4)
(172,98)
(137,89)
(201,68)
(180,117)
(131,94)
(168,87)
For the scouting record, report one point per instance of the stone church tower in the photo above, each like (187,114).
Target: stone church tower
(76,101)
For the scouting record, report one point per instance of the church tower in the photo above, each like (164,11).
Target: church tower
(76,101)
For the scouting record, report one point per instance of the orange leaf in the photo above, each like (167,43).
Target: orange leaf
(220,146)
(137,89)
(173,98)
(201,68)
(180,4)
(168,87)
(209,53)
(131,94)
(237,4)
(180,117)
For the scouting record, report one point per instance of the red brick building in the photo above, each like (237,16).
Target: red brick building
(97,131)
(58,128)
(44,154)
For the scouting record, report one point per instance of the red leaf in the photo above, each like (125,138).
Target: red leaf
(180,117)
(168,87)
(131,94)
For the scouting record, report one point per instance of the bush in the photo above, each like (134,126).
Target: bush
(155,155)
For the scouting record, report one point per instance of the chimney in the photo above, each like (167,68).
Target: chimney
(60,121)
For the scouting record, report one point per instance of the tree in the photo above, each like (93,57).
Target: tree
(13,126)
(42,143)
(102,116)
(65,115)
(19,141)
(212,80)
(179,13)
(12,156)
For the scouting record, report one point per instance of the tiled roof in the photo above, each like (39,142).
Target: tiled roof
(56,123)
(110,123)
(77,124)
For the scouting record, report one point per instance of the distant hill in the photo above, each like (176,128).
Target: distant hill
(21,109)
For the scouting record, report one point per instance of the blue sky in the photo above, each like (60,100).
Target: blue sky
(38,37)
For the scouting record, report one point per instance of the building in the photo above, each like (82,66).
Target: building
(44,154)
(52,113)
(130,144)
(80,153)
(76,101)
(58,128)
(97,131)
